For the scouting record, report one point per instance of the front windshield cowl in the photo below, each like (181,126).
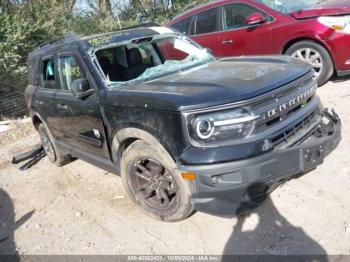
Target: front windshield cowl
(135,61)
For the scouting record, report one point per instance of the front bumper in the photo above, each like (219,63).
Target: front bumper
(228,189)
(338,46)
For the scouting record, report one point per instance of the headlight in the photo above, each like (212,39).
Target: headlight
(221,126)
(338,23)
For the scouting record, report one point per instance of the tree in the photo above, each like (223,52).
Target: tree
(26,23)
(101,7)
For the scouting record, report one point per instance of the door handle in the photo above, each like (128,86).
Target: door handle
(227,42)
(61,106)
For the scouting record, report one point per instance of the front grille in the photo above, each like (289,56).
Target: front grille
(296,133)
(278,107)
(263,125)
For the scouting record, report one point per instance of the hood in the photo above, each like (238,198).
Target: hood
(221,82)
(327,7)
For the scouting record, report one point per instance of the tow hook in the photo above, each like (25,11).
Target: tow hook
(35,155)
(332,115)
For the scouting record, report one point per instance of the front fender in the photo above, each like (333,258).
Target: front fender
(131,133)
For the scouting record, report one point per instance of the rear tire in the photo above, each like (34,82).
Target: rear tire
(317,56)
(153,184)
(52,152)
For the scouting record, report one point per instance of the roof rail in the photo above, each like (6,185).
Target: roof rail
(64,38)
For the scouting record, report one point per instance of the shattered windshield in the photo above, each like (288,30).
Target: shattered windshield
(289,6)
(148,58)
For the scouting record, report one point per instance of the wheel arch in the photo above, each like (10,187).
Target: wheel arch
(36,120)
(315,41)
(299,39)
(126,136)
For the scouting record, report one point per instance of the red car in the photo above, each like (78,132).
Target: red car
(316,31)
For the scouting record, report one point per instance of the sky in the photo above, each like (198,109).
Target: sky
(81,5)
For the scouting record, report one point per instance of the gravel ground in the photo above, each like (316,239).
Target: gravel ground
(80,209)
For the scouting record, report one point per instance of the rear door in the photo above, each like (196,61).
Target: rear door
(205,30)
(237,38)
(184,25)
(44,101)
(83,126)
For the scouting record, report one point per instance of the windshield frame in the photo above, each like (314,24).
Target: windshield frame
(115,85)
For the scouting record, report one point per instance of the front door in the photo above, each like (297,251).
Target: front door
(83,125)
(237,38)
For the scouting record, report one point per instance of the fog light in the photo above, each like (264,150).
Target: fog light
(227,179)
(214,180)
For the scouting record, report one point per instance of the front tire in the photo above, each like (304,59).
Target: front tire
(153,184)
(317,56)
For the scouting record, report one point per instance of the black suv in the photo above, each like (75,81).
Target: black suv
(186,131)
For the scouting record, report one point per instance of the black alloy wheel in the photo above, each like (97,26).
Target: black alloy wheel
(154,184)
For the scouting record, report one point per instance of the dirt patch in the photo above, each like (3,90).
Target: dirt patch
(16,130)
(19,137)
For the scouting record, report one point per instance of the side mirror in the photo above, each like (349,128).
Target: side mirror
(81,88)
(255,19)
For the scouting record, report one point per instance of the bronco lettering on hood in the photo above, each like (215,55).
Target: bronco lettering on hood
(284,108)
